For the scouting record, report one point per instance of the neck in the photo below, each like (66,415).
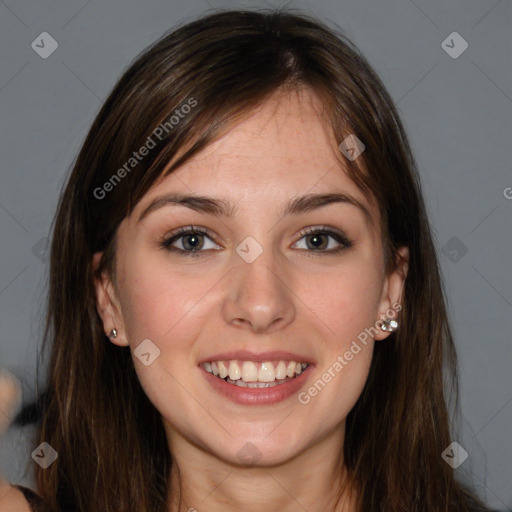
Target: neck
(315,479)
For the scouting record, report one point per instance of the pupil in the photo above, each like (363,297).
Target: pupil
(193,244)
(316,240)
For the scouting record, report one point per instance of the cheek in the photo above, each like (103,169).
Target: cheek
(333,393)
(347,302)
(167,309)
(345,357)
(348,309)
(158,302)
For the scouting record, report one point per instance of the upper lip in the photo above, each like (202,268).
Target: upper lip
(246,355)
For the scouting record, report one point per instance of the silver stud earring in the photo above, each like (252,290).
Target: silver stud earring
(389,325)
(113,333)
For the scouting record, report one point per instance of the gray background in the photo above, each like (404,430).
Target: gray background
(457,112)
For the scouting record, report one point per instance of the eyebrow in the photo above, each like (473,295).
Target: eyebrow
(221,207)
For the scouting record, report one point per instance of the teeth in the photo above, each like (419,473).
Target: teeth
(243,384)
(281,370)
(234,371)
(266,372)
(254,374)
(249,372)
(223,371)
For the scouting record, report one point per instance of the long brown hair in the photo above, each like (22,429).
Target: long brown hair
(113,453)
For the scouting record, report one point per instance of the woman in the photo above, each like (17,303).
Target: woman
(245,306)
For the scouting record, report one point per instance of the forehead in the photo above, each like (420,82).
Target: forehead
(282,149)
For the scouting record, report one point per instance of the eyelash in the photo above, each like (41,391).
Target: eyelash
(191,230)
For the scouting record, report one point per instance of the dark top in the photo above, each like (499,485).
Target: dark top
(32,498)
(36,503)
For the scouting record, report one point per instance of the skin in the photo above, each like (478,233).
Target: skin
(194,307)
(10,398)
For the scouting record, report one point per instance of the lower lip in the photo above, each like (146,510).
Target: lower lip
(257,396)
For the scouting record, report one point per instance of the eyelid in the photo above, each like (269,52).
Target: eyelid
(190,229)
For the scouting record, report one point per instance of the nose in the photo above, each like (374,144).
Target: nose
(259,297)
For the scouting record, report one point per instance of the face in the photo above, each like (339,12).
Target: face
(263,287)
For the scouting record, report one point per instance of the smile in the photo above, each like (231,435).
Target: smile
(251,374)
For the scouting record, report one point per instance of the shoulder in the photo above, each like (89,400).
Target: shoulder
(14,499)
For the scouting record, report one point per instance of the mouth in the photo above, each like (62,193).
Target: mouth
(253,374)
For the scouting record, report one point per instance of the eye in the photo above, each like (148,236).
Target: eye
(319,240)
(190,238)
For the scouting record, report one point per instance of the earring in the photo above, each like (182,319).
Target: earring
(389,325)
(113,333)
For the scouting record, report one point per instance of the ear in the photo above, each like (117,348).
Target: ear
(108,306)
(392,291)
